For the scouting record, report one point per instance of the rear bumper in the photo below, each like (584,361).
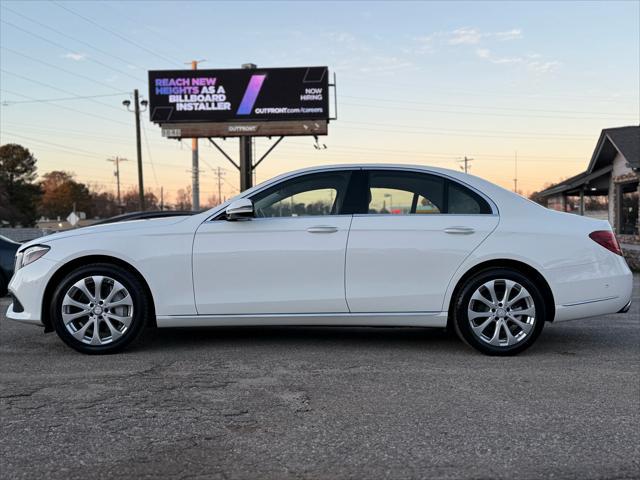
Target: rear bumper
(598,289)
(592,308)
(626,308)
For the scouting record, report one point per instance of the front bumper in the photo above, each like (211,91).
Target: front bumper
(28,285)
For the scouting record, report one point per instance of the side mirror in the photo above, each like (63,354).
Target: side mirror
(241,209)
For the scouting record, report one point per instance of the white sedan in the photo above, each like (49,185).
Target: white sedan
(376,245)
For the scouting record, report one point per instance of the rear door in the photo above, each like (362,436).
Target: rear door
(418,229)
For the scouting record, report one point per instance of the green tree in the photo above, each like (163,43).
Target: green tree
(59,194)
(18,194)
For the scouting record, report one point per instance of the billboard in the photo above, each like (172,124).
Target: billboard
(239,95)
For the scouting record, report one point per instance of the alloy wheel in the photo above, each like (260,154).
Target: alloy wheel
(97,310)
(501,313)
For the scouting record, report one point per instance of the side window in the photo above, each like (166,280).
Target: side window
(402,193)
(462,201)
(308,195)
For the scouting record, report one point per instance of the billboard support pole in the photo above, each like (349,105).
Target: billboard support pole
(195,167)
(267,152)
(246,162)
(246,152)
(224,153)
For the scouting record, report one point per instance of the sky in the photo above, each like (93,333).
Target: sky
(417,82)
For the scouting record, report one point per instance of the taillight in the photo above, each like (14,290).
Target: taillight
(607,239)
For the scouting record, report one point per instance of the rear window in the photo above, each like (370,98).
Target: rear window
(463,201)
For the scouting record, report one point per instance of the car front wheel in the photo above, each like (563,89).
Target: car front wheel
(499,312)
(99,308)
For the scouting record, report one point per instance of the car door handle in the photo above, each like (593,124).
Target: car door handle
(322,229)
(459,230)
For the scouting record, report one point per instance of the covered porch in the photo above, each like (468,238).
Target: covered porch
(583,194)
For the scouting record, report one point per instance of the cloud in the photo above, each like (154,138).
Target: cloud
(513,34)
(76,57)
(532,62)
(473,36)
(424,44)
(464,36)
(383,64)
(544,67)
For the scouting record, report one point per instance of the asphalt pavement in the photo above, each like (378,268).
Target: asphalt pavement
(323,403)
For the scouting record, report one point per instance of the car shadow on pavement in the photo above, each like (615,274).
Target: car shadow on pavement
(586,337)
(297,336)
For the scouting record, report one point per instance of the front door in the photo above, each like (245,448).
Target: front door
(418,230)
(288,259)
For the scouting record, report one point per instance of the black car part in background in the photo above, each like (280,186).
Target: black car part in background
(8,249)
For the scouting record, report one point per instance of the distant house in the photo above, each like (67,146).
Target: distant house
(609,188)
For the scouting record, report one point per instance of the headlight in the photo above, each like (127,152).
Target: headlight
(30,255)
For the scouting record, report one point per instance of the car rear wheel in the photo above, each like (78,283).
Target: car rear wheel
(499,312)
(99,308)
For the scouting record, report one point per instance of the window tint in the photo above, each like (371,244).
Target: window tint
(402,193)
(405,193)
(315,194)
(462,201)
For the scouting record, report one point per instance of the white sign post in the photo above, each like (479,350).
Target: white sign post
(73,219)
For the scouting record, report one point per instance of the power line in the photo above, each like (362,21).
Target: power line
(65,48)
(501,132)
(470,134)
(442,154)
(412,102)
(70,108)
(58,145)
(125,15)
(121,37)
(70,37)
(476,93)
(85,134)
(51,65)
(62,99)
(80,151)
(52,87)
(484,114)
(146,141)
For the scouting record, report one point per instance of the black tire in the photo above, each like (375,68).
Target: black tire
(461,322)
(140,302)
(3,285)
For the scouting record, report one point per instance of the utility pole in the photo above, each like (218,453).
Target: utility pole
(219,174)
(466,161)
(136,110)
(161,199)
(515,178)
(246,152)
(195,172)
(139,148)
(116,161)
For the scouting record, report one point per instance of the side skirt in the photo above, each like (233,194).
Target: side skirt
(411,319)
